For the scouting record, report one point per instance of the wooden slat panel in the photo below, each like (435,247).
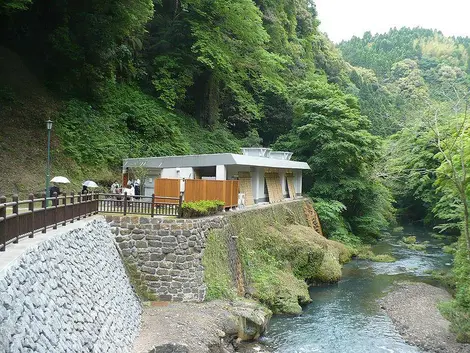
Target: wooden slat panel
(246,187)
(166,188)
(273,182)
(235,191)
(290,185)
(223,190)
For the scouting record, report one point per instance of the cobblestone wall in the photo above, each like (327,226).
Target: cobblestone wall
(69,294)
(167,252)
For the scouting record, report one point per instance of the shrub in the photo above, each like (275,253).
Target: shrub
(417,247)
(365,252)
(201,208)
(409,240)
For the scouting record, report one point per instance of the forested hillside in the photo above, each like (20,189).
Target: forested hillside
(143,78)
(382,120)
(419,101)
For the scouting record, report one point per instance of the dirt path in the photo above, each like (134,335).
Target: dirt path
(413,309)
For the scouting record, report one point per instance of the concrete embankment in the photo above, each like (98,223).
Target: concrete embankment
(68,293)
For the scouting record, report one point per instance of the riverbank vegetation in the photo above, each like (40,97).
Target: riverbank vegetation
(276,256)
(422,111)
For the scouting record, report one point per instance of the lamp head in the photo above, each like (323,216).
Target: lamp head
(49,124)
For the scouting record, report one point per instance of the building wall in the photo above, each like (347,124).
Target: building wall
(178,173)
(298,182)
(259,194)
(232,170)
(68,294)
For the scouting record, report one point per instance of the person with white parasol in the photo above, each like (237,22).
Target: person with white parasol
(88,184)
(54,189)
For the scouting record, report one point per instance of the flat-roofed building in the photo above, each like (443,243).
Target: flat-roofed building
(263,175)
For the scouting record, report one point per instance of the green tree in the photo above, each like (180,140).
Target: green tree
(332,136)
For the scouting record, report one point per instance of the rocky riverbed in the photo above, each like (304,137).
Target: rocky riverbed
(413,310)
(211,327)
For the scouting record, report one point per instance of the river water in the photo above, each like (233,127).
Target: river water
(346,317)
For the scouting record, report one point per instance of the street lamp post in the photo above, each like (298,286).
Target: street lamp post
(48,166)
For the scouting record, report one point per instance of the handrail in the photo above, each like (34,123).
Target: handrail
(39,214)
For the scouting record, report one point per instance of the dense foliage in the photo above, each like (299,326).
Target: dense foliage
(216,75)
(328,126)
(422,91)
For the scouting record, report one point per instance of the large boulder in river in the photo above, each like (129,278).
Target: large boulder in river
(252,319)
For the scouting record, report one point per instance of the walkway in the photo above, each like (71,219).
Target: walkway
(14,251)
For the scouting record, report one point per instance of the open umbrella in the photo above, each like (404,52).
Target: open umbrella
(90,184)
(60,180)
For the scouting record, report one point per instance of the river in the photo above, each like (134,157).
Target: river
(346,317)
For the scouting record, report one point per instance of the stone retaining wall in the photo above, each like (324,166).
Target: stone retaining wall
(69,294)
(167,252)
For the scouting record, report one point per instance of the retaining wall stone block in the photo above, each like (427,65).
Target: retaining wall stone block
(67,294)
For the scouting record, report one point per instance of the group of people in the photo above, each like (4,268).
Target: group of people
(132,188)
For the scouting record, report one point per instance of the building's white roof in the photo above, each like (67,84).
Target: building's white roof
(208,160)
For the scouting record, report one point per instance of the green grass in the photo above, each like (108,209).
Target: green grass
(217,274)
(418,247)
(365,253)
(409,240)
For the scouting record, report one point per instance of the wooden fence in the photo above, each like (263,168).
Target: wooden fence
(19,219)
(142,205)
(166,189)
(223,190)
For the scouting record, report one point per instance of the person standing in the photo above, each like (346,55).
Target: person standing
(54,192)
(54,189)
(137,187)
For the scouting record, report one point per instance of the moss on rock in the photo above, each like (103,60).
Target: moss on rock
(280,255)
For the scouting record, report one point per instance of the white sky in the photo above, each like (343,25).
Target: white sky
(342,19)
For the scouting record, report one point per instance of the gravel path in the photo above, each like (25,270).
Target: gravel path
(413,309)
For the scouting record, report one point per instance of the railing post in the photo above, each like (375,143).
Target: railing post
(16,212)
(180,204)
(86,204)
(96,201)
(56,202)
(65,209)
(125,203)
(72,201)
(152,210)
(44,206)
(79,199)
(3,215)
(31,209)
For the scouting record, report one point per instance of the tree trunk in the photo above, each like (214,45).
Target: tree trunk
(466,221)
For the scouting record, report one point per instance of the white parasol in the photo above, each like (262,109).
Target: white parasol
(60,180)
(90,184)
